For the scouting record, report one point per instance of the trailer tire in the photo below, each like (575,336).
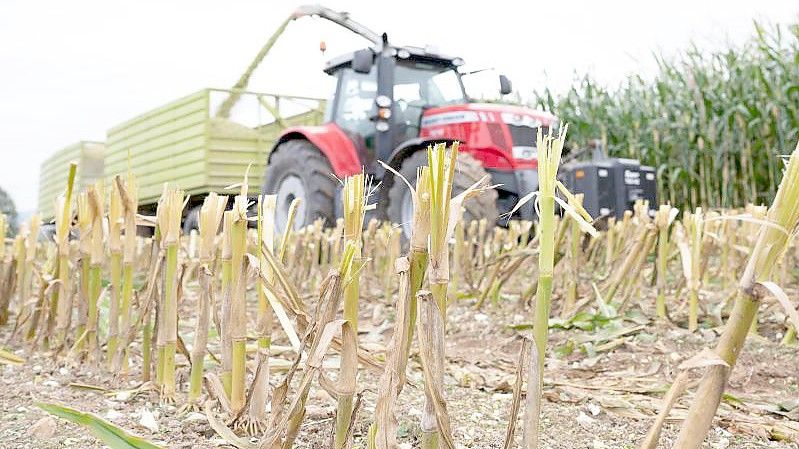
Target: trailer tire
(192,220)
(297,169)
(468,171)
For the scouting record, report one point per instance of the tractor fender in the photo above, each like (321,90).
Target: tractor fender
(410,146)
(331,141)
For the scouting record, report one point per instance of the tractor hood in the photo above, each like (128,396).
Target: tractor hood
(502,136)
(489,113)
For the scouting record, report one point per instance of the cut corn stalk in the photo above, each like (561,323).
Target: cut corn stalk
(260,384)
(238,306)
(355,197)
(115,223)
(227,294)
(62,300)
(210,217)
(436,428)
(96,255)
(663,220)
(170,206)
(129,193)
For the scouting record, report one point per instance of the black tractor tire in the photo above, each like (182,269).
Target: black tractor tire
(468,171)
(192,220)
(302,159)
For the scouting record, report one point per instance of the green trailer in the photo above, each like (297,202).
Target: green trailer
(55,170)
(187,144)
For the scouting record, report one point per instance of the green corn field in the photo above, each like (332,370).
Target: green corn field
(714,124)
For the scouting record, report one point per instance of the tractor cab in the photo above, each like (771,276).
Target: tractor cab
(390,104)
(381,96)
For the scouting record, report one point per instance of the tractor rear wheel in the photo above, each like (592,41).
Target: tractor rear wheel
(297,169)
(468,171)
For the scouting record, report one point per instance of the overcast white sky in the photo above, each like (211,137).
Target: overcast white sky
(70,70)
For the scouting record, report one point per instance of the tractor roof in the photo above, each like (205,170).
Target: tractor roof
(428,55)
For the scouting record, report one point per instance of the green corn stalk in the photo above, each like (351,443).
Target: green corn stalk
(549,152)
(441,179)
(548,160)
(419,256)
(442,173)
(355,198)
(170,207)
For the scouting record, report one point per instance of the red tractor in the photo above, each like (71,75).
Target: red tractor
(390,103)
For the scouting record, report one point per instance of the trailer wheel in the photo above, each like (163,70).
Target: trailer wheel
(297,169)
(468,172)
(192,220)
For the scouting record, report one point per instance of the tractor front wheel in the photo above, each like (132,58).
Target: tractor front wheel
(468,171)
(298,170)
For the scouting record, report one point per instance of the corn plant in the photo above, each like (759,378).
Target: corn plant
(550,148)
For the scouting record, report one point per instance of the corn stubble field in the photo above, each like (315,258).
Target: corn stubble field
(555,334)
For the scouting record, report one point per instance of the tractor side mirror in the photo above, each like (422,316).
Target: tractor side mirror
(362,61)
(505,86)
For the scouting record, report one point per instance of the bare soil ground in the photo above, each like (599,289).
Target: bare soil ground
(602,387)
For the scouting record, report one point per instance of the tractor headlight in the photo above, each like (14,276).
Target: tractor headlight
(524,153)
(383,101)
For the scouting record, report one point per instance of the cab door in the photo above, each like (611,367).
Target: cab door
(353,108)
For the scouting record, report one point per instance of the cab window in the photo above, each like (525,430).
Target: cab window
(356,98)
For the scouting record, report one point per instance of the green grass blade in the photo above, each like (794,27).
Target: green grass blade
(106,432)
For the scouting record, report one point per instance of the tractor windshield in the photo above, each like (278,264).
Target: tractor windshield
(423,84)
